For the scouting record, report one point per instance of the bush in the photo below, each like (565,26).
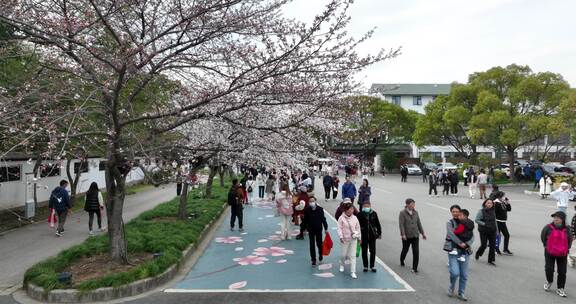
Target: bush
(143,236)
(389,160)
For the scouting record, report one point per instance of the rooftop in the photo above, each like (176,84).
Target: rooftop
(427,89)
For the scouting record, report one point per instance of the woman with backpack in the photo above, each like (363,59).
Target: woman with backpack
(94,205)
(250,185)
(557,239)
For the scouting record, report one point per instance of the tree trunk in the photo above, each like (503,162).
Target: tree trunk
(211,175)
(221,175)
(116,190)
(183,207)
(73,181)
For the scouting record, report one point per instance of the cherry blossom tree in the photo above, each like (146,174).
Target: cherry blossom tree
(226,58)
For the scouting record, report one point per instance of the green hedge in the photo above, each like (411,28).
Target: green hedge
(144,236)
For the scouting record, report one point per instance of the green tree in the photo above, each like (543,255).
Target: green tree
(516,107)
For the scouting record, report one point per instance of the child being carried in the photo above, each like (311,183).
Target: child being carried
(465,232)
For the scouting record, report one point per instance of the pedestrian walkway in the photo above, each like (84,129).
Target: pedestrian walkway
(23,247)
(258,261)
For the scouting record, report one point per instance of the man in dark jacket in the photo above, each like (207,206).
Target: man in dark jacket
(410,231)
(502,207)
(60,202)
(327,183)
(454,179)
(432,183)
(236,200)
(314,220)
(486,220)
(370,230)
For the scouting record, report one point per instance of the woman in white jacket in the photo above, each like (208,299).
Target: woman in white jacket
(545,186)
(349,233)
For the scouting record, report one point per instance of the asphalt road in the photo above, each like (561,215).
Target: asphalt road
(516,279)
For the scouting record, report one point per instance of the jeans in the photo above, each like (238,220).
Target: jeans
(327,190)
(91,219)
(236,212)
(261,191)
(487,239)
(458,271)
(561,269)
(61,219)
(368,245)
(503,228)
(432,188)
(415,251)
(315,238)
(349,250)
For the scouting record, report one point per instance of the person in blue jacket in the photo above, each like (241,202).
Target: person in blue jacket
(537,176)
(348,190)
(60,202)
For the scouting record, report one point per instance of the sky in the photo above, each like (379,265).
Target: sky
(446,40)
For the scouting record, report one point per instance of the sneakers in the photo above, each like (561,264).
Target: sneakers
(353,275)
(341,268)
(365,270)
(450,293)
(91,233)
(313,263)
(462,258)
(498,252)
(373,269)
(241,229)
(462,297)
(561,292)
(547,286)
(453,252)
(58,233)
(508,252)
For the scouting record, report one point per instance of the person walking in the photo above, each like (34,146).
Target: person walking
(502,207)
(410,230)
(425,173)
(557,238)
(458,268)
(349,234)
(404,173)
(472,183)
(335,185)
(562,195)
(486,220)
(314,220)
(261,183)
(465,173)
(94,205)
(454,179)
(60,202)
(327,182)
(236,203)
(285,211)
(270,183)
(250,185)
(545,186)
(364,192)
(482,181)
(349,190)
(370,230)
(445,180)
(537,177)
(432,183)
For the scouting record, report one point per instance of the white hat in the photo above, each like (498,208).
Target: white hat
(564,184)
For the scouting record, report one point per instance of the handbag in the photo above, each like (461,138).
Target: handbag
(358,248)
(327,245)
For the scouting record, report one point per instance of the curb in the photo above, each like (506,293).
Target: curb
(111,293)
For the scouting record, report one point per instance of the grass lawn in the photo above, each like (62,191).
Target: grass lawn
(154,231)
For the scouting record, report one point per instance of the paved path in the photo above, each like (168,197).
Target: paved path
(258,261)
(23,247)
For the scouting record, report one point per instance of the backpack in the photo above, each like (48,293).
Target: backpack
(557,243)
(55,201)
(232,198)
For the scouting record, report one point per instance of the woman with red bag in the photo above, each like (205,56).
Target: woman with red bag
(370,230)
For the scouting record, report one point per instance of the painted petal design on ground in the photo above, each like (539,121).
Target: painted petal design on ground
(275,238)
(260,218)
(269,215)
(262,241)
(250,260)
(281,261)
(244,233)
(238,285)
(273,251)
(326,275)
(278,232)
(324,266)
(238,248)
(228,240)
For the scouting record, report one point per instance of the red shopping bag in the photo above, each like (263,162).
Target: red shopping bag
(327,245)
(52,218)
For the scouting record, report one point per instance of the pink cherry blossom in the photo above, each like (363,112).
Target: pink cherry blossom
(272,251)
(250,260)
(229,240)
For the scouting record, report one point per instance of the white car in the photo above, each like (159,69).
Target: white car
(571,165)
(446,166)
(414,169)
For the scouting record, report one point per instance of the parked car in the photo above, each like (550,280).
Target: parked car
(413,169)
(447,166)
(521,162)
(430,165)
(555,169)
(571,165)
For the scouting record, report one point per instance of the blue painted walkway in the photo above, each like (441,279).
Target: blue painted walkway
(257,260)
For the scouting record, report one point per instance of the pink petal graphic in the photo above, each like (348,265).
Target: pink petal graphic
(281,261)
(250,260)
(275,238)
(326,275)
(324,266)
(228,240)
(238,285)
(272,251)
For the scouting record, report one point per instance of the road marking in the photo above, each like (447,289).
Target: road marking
(438,206)
(177,290)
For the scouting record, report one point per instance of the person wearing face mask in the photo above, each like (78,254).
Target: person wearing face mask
(313,221)
(370,230)
(557,239)
(349,233)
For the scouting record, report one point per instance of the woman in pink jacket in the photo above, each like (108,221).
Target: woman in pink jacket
(285,210)
(349,233)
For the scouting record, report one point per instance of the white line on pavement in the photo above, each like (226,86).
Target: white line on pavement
(177,290)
